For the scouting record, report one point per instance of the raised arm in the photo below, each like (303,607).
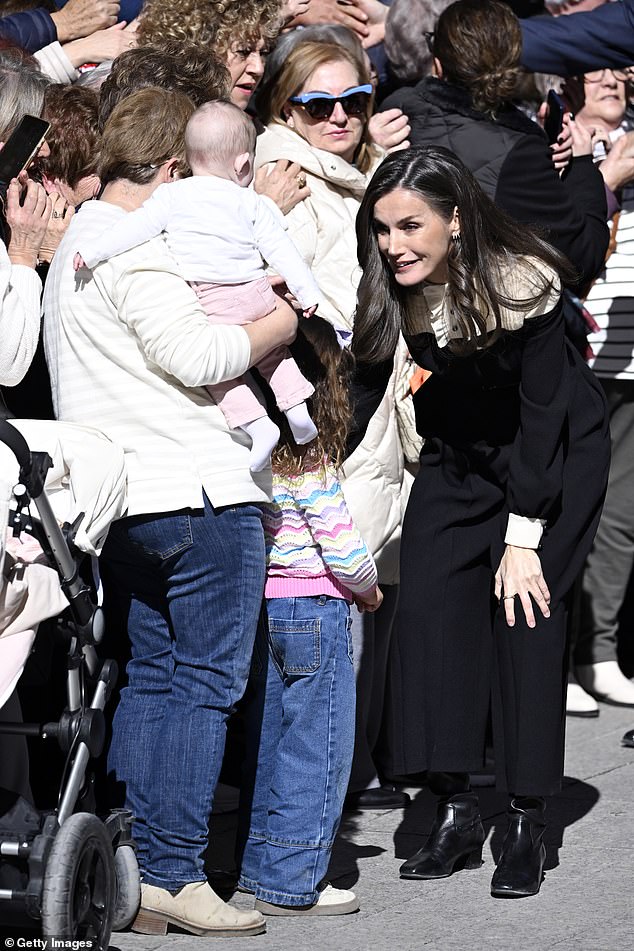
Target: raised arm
(138,226)
(579,42)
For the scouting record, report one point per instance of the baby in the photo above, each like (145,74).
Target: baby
(221,233)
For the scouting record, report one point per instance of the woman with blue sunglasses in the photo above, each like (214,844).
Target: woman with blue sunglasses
(318,113)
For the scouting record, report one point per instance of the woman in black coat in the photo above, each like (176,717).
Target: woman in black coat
(467,107)
(505,505)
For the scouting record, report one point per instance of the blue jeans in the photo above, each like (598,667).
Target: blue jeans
(191,583)
(300,738)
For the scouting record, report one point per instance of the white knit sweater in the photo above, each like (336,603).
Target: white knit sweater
(20,290)
(130,352)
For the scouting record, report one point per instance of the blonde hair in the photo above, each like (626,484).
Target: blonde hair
(144,130)
(295,73)
(218,132)
(215,24)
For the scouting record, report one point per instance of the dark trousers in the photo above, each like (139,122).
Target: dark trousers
(457,654)
(609,565)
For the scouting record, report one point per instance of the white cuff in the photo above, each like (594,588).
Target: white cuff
(524,532)
(55,64)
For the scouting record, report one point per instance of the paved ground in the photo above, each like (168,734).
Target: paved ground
(585,904)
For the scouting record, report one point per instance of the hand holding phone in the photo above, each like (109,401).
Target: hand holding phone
(21,147)
(555,111)
(27,214)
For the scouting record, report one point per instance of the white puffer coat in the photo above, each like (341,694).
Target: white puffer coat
(322,226)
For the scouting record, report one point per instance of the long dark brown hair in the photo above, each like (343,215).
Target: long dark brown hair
(479,46)
(329,368)
(490,242)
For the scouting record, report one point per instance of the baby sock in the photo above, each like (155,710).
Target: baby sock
(302,426)
(264,437)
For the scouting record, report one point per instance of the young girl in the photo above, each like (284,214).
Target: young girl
(299,750)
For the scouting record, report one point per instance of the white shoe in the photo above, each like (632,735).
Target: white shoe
(195,908)
(331,901)
(606,682)
(579,703)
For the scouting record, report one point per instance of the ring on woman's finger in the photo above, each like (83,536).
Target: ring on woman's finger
(509,597)
(301,180)
(57,214)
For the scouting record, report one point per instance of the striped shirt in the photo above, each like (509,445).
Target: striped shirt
(130,352)
(312,545)
(611,303)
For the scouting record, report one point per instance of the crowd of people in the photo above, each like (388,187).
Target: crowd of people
(365,337)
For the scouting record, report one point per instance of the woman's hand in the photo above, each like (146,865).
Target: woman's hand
(294,8)
(581,138)
(344,12)
(61,214)
(561,151)
(284,183)
(618,168)
(27,220)
(103,44)
(520,575)
(390,130)
(376,13)
(82,17)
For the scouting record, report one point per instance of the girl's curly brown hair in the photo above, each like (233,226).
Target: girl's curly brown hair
(218,24)
(329,368)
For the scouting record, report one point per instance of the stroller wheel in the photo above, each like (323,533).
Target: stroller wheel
(79,883)
(128,887)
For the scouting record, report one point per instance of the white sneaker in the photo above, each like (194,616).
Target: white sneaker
(606,682)
(579,703)
(331,901)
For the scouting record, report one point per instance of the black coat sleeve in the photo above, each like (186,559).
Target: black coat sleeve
(571,213)
(536,466)
(368,388)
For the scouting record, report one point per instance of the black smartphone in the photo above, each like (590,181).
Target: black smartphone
(555,111)
(21,146)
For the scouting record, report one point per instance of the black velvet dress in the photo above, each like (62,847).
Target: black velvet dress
(520,427)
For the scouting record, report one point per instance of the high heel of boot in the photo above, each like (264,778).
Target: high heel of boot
(455,841)
(474,860)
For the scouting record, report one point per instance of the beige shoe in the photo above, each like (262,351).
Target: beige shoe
(195,908)
(331,901)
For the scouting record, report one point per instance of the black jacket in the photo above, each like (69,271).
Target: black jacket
(511,160)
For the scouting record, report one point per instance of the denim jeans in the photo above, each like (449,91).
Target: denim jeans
(300,738)
(191,583)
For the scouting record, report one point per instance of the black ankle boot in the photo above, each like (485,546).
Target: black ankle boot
(520,870)
(455,840)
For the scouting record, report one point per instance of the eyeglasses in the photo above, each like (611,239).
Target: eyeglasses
(429,39)
(596,75)
(321,105)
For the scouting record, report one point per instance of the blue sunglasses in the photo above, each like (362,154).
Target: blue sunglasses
(321,105)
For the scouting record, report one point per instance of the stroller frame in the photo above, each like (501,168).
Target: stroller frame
(82,873)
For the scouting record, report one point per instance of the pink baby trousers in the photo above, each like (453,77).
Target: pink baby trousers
(242,304)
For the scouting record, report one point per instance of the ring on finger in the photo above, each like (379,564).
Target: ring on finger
(509,597)
(57,214)
(301,180)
